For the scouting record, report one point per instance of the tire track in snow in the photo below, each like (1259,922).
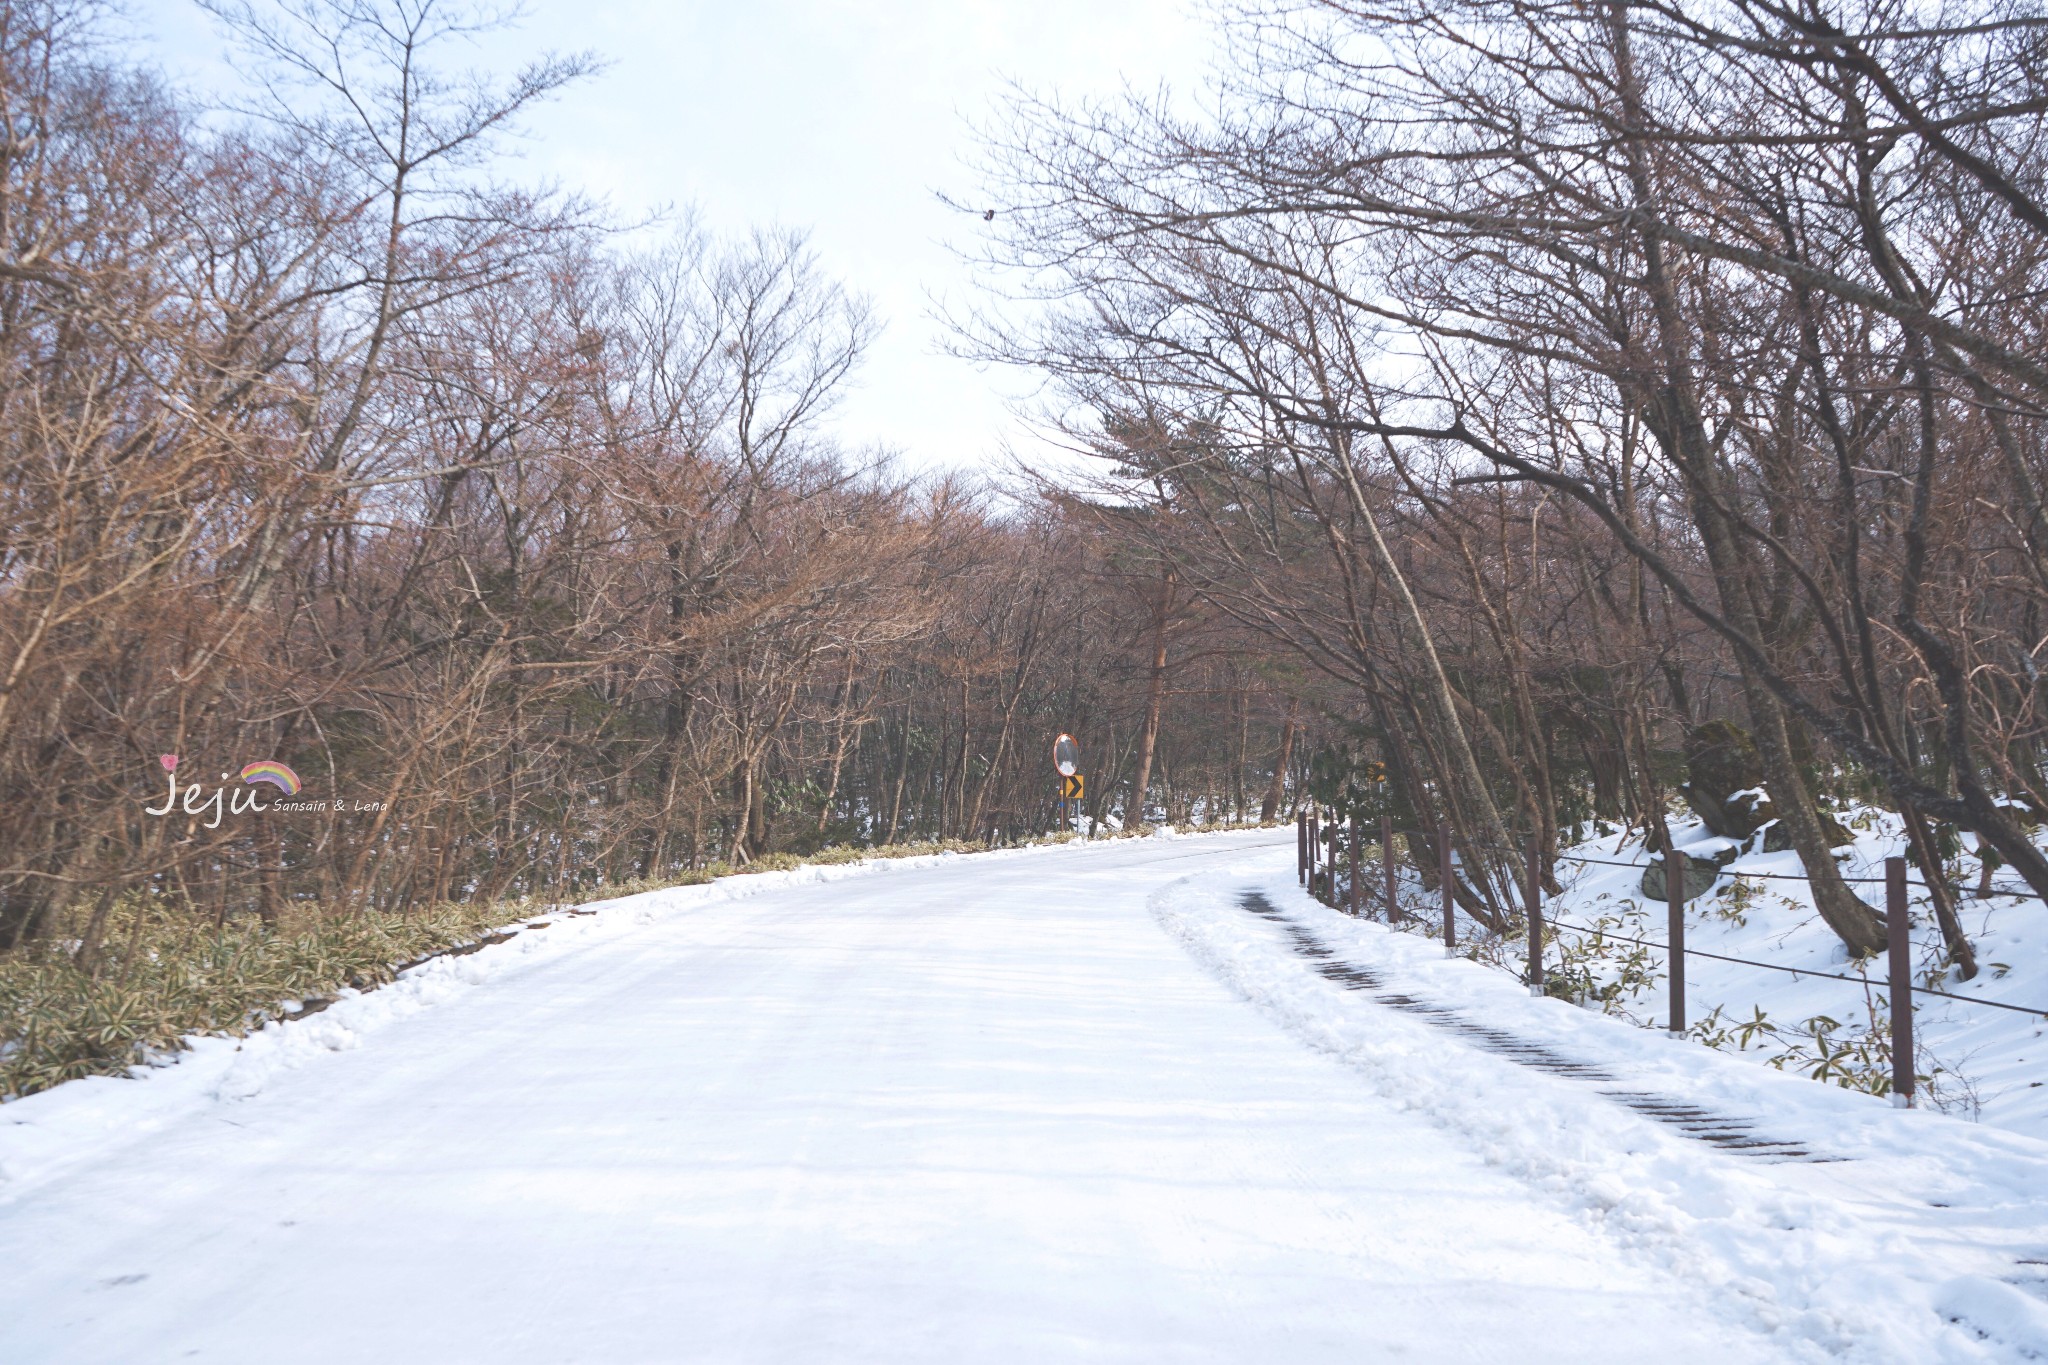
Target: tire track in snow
(1719,1130)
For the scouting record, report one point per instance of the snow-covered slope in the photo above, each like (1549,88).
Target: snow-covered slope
(1984,1062)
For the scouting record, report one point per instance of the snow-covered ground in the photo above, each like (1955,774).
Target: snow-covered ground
(1984,1062)
(1060,1104)
(1848,1230)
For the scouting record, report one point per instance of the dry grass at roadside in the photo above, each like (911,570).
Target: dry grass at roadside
(166,976)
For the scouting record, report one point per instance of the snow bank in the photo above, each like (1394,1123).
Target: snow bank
(1908,1245)
(1986,1063)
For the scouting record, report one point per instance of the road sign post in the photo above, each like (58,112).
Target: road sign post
(1315,851)
(1066,761)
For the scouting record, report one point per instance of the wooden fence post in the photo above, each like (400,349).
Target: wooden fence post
(1315,850)
(1444,874)
(1535,895)
(1357,882)
(1387,857)
(1301,846)
(1675,865)
(1898,927)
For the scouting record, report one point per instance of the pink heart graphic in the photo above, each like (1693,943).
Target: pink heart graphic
(170,762)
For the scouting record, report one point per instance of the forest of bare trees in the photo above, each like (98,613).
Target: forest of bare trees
(524,540)
(1563,377)
(1516,395)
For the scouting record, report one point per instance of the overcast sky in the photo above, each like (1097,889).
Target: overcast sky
(843,117)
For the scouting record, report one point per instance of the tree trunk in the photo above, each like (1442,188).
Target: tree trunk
(1276,790)
(1671,409)
(1155,697)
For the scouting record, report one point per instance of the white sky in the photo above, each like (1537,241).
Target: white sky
(840,117)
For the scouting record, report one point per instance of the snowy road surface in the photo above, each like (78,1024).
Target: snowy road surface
(982,1109)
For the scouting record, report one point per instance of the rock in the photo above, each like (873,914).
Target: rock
(1720,761)
(2021,813)
(1778,839)
(1705,807)
(1718,851)
(1700,875)
(1726,789)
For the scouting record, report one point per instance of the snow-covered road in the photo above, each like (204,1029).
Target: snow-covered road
(982,1109)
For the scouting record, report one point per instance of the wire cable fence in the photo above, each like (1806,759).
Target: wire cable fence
(1794,971)
(2015,893)
(1318,844)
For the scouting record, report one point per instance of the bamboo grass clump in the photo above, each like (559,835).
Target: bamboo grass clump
(164,976)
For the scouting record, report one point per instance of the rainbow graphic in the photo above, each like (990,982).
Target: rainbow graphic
(275,773)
